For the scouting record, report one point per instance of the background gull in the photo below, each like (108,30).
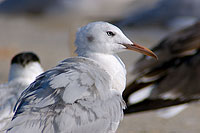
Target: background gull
(170,13)
(81,94)
(24,68)
(174,80)
(26,6)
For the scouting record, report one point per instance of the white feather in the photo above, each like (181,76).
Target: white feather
(170,112)
(140,95)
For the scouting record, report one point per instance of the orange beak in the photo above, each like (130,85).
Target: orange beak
(141,49)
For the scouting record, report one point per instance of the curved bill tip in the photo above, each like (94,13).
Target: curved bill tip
(141,49)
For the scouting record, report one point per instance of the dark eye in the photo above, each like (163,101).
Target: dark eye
(110,33)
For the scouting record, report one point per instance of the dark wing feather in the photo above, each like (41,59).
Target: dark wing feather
(177,71)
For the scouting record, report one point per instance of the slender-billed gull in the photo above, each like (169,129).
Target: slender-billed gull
(82,94)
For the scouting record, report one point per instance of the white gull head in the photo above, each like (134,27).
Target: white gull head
(100,37)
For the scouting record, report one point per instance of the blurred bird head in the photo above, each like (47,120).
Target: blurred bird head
(25,65)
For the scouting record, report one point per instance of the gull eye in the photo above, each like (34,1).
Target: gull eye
(110,33)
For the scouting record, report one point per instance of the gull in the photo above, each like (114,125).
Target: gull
(24,68)
(82,94)
(174,80)
(27,6)
(174,14)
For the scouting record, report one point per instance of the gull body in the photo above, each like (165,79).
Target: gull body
(23,70)
(83,93)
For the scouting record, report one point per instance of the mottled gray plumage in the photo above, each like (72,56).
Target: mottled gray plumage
(80,103)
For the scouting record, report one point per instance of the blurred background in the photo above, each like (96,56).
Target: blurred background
(48,27)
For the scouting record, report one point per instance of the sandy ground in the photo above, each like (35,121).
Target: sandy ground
(52,39)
